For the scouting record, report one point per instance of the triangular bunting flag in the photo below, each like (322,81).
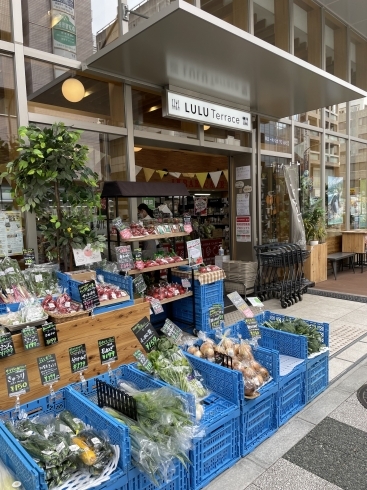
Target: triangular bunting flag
(202,178)
(176,175)
(225,172)
(190,176)
(148,172)
(137,170)
(161,173)
(215,176)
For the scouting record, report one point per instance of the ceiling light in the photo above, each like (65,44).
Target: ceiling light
(137,148)
(206,127)
(201,194)
(73,90)
(155,108)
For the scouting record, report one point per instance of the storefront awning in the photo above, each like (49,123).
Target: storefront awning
(185,47)
(142,189)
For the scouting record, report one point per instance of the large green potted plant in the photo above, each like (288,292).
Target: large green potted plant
(315,223)
(51,179)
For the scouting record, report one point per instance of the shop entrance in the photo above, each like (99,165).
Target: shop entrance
(206,178)
(275,203)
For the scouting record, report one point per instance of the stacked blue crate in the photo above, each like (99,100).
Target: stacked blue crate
(204,297)
(316,365)
(66,399)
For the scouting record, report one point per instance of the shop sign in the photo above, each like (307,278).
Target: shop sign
(64,34)
(183,107)
(66,6)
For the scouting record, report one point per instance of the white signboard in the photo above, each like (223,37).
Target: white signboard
(194,252)
(11,233)
(84,256)
(243,204)
(243,229)
(183,107)
(243,173)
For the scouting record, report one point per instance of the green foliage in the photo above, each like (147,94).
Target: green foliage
(314,222)
(52,180)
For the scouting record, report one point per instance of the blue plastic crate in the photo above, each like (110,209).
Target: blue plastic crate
(123,282)
(183,309)
(207,294)
(323,329)
(217,451)
(258,419)
(68,399)
(179,481)
(118,481)
(291,395)
(17,463)
(158,319)
(116,306)
(5,308)
(286,343)
(63,280)
(317,375)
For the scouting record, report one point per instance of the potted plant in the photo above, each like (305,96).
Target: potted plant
(315,223)
(52,180)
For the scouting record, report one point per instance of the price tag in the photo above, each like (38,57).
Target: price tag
(216,315)
(30,338)
(240,304)
(194,252)
(78,358)
(89,295)
(256,302)
(6,345)
(139,284)
(124,257)
(140,357)
(172,331)
(17,380)
(29,256)
(252,327)
(156,305)
(186,283)
(48,369)
(107,350)
(49,334)
(145,333)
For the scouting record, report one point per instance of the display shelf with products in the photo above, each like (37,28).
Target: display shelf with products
(133,272)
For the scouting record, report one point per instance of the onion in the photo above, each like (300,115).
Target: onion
(220,349)
(206,345)
(255,365)
(236,348)
(192,349)
(249,391)
(230,352)
(198,354)
(207,351)
(244,349)
(260,379)
(249,372)
(246,356)
(264,373)
(227,343)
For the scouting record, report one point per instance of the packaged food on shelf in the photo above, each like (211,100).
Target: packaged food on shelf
(30,312)
(165,291)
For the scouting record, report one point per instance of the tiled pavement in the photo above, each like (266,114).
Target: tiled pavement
(324,446)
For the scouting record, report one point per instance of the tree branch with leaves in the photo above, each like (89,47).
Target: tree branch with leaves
(51,179)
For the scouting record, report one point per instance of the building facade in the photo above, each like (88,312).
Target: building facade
(43,42)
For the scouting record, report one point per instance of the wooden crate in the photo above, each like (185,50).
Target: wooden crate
(315,267)
(86,331)
(355,241)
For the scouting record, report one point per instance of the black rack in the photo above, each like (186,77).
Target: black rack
(109,396)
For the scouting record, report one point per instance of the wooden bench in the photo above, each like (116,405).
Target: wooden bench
(339,257)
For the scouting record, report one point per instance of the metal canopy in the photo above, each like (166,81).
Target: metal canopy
(142,189)
(185,47)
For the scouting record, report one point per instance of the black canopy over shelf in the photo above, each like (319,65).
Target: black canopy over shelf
(142,189)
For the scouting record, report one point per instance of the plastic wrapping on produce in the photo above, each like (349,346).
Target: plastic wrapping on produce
(64,447)
(7,478)
(171,365)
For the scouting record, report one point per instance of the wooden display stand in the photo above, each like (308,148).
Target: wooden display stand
(354,241)
(315,267)
(86,331)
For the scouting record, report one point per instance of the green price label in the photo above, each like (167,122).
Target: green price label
(48,369)
(107,350)
(78,358)
(17,380)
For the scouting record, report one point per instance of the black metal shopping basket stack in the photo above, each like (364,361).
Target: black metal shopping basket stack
(280,272)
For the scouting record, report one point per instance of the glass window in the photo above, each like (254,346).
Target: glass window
(8,112)
(100,102)
(147,8)
(147,114)
(358,185)
(358,56)
(335,47)
(313,118)
(275,136)
(5,21)
(307,31)
(335,182)
(275,203)
(307,154)
(335,118)
(358,118)
(221,135)
(271,22)
(234,12)
(70,29)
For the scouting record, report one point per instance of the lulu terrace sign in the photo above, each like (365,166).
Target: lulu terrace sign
(182,107)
